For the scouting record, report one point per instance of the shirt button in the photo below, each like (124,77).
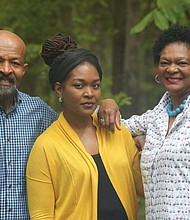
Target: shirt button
(10,186)
(10,210)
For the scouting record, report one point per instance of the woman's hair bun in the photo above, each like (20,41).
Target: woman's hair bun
(55,46)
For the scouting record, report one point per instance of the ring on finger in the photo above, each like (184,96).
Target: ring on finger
(102,120)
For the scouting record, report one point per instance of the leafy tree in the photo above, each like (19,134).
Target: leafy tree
(164,13)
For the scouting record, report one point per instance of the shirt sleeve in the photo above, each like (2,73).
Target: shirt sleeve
(39,185)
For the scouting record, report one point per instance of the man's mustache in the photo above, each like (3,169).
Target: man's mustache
(10,78)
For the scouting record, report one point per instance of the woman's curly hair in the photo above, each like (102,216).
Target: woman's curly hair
(174,34)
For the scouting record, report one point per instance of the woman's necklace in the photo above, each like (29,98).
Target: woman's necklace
(176,111)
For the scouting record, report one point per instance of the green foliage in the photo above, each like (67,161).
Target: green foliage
(121,98)
(143,23)
(160,20)
(163,14)
(33,51)
(141,213)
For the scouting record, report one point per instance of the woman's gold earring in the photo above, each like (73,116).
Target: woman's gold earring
(156,79)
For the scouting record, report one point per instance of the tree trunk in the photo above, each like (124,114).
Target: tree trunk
(129,70)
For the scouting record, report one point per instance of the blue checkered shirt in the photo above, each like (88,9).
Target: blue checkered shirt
(19,128)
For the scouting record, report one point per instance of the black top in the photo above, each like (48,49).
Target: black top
(109,204)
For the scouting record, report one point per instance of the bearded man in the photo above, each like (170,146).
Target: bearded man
(22,119)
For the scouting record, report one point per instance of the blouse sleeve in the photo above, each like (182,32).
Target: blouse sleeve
(39,185)
(137,124)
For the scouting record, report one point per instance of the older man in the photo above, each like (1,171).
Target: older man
(22,119)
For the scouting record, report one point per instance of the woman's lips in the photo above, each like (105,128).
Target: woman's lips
(88,104)
(173,79)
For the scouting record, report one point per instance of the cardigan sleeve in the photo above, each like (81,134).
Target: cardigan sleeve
(39,185)
(134,158)
(137,174)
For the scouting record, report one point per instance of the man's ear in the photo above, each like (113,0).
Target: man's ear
(25,68)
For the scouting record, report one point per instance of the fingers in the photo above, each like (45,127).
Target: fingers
(108,115)
(112,121)
(117,121)
(140,141)
(108,119)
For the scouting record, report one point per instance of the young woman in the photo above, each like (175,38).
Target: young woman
(77,170)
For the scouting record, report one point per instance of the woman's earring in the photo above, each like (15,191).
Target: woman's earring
(156,79)
(60,100)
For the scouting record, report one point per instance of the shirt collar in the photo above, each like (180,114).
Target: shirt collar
(17,98)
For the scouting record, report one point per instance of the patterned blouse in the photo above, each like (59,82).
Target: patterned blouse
(165,161)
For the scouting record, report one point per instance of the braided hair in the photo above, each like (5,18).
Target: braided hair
(55,46)
(61,54)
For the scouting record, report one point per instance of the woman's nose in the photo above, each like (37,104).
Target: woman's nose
(172,68)
(88,92)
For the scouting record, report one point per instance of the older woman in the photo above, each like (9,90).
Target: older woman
(70,175)
(165,160)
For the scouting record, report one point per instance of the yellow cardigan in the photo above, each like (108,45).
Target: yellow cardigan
(62,178)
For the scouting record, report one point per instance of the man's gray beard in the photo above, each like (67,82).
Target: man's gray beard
(7,91)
